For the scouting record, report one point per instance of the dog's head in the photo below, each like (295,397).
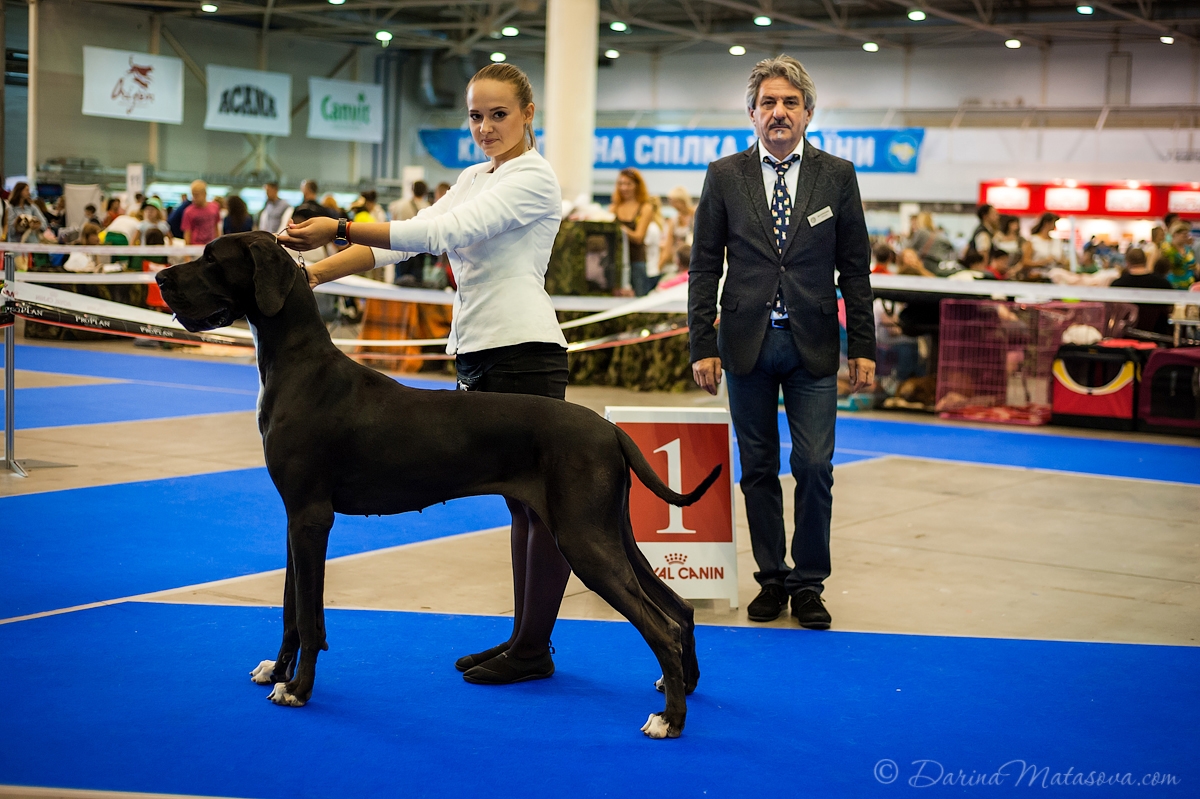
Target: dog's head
(238,275)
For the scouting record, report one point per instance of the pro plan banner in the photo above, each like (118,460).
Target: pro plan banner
(344,110)
(249,101)
(691,549)
(128,85)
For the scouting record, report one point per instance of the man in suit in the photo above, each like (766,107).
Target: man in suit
(786,217)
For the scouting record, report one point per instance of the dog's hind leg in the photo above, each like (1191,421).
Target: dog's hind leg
(672,604)
(590,552)
(283,667)
(308,539)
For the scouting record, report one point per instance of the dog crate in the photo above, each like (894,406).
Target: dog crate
(995,359)
(1095,385)
(1169,396)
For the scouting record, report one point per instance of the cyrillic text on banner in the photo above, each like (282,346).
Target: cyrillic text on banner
(130,85)
(345,110)
(249,101)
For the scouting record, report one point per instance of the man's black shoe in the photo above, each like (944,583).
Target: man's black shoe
(809,610)
(769,603)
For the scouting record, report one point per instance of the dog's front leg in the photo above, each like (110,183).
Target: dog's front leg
(283,667)
(308,539)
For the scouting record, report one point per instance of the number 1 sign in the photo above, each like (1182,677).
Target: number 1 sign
(692,549)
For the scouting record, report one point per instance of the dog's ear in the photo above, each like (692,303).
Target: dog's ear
(274,274)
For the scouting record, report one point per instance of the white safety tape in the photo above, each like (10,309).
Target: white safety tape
(1038,292)
(119,250)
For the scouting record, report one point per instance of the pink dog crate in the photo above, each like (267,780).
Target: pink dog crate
(1169,399)
(996,359)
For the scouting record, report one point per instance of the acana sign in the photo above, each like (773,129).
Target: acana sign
(248,101)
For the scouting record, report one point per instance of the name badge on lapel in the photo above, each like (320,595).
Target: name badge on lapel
(819,216)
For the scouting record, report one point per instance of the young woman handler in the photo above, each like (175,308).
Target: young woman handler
(497,225)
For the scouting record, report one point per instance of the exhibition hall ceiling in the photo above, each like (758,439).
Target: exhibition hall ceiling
(737,27)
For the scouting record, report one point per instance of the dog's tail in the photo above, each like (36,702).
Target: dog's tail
(645,472)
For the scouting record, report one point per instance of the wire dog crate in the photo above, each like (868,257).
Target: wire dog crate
(995,359)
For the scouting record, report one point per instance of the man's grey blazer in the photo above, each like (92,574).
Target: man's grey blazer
(733,222)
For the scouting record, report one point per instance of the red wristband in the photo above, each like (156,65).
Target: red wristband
(348,224)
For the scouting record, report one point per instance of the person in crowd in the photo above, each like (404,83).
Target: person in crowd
(1153,247)
(152,219)
(310,205)
(175,218)
(498,223)
(779,324)
(370,204)
(89,216)
(1169,220)
(330,202)
(1041,252)
(441,191)
(680,227)
(24,213)
(276,212)
(1000,266)
(883,259)
(408,207)
(238,219)
(930,243)
(1008,237)
(981,237)
(1138,274)
(56,215)
(112,210)
(1178,257)
(653,242)
(911,263)
(683,260)
(631,206)
(123,230)
(202,218)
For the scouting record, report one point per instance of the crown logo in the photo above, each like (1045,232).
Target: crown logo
(676,559)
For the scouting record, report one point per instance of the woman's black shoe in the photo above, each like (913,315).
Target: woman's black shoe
(506,668)
(471,661)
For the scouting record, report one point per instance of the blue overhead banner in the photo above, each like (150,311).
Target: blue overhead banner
(882,150)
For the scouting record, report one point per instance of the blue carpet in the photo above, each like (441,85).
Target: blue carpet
(163,388)
(66,548)
(156,698)
(1112,458)
(122,402)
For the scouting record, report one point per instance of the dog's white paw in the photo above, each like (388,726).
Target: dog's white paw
(262,672)
(656,726)
(660,685)
(280,696)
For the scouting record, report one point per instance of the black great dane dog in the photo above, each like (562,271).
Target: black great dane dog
(341,438)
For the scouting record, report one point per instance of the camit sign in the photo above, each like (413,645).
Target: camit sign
(358,113)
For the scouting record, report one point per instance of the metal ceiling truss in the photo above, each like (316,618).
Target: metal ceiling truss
(665,26)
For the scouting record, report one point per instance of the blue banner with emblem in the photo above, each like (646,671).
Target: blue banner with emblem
(870,150)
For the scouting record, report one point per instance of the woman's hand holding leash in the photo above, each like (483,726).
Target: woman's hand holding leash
(309,234)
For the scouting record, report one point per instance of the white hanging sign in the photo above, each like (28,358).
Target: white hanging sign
(248,101)
(345,110)
(129,85)
(692,549)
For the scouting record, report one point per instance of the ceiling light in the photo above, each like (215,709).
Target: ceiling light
(916,15)
(612,53)
(737,49)
(1167,39)
(1013,44)
(336,2)
(209,8)
(1085,9)
(618,26)
(762,20)
(383,36)
(871,47)
(498,57)
(507,30)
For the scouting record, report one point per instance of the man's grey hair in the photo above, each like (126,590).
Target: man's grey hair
(781,66)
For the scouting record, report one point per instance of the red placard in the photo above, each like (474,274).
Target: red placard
(1123,199)
(699,448)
